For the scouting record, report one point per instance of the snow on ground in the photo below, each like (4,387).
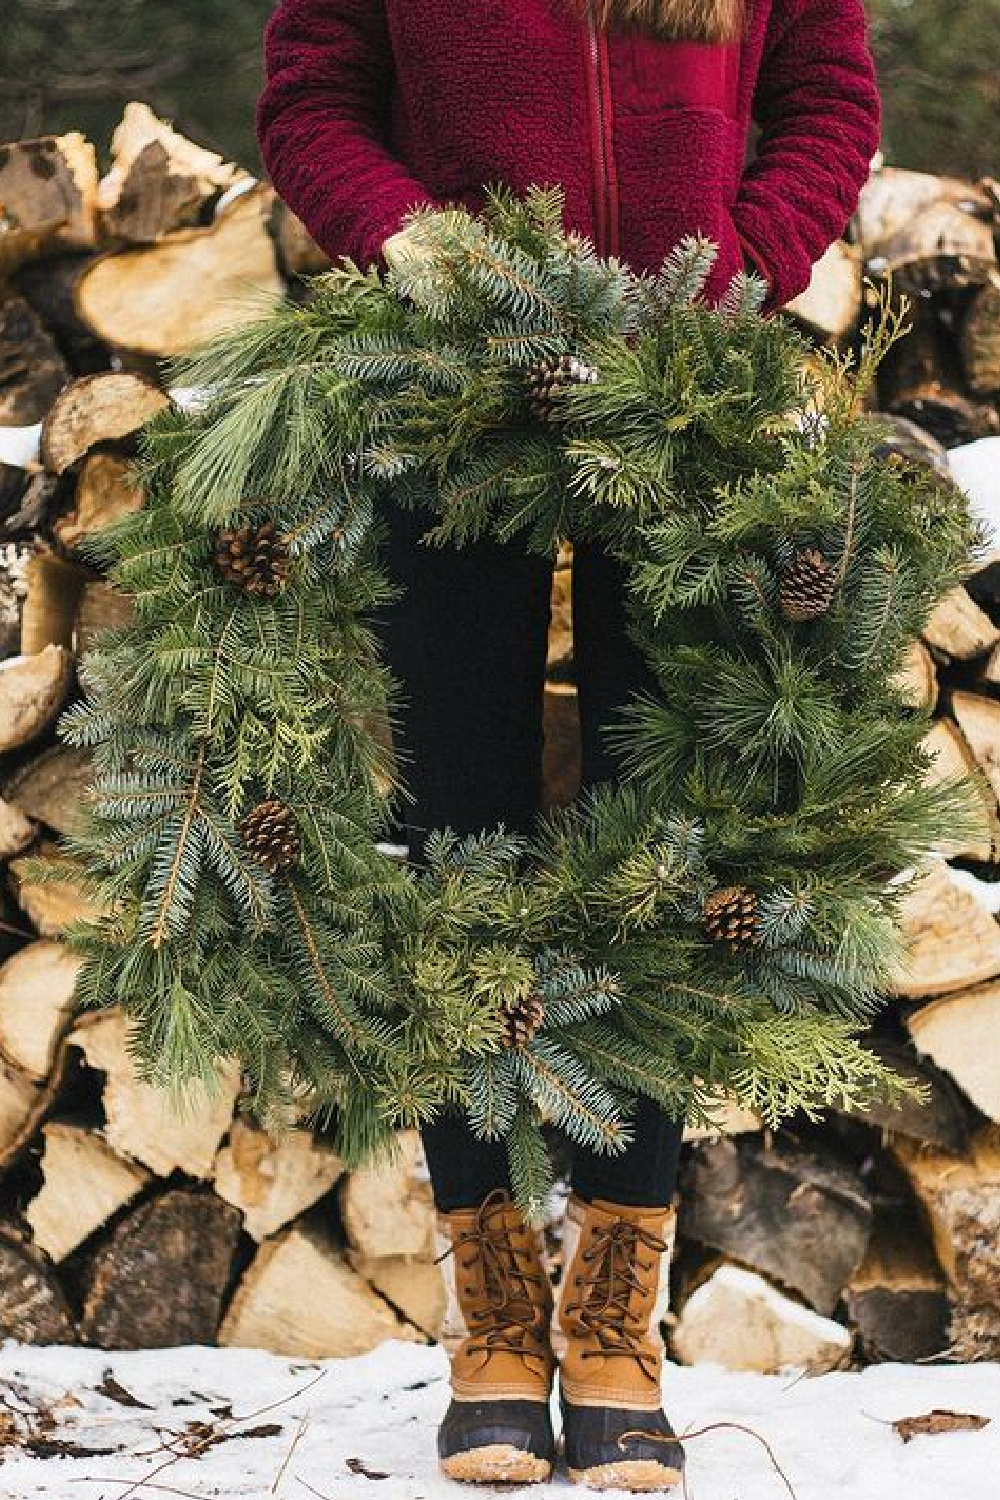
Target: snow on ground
(363,1429)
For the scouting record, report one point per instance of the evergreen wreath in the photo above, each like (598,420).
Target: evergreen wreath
(724,920)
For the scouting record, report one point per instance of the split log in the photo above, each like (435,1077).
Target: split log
(737,1319)
(32,371)
(961,1035)
(96,409)
(159,181)
(559,660)
(952,760)
(802,1221)
(53,788)
(897,1298)
(907,440)
(916,681)
(729,1118)
(387,1208)
(929,233)
(18,1099)
(960,1197)
(958,628)
(979,339)
(106,490)
(33,690)
(889,200)
(37,987)
(271,1181)
(161,1277)
(33,1309)
(298,252)
(25,1104)
(340,1317)
(84,1184)
(830,307)
(979,720)
(414,1288)
(561,767)
(921,379)
(141,1121)
(48,193)
(16,831)
(991,667)
(49,286)
(47,891)
(54,586)
(101,608)
(937,1115)
(164,299)
(952,940)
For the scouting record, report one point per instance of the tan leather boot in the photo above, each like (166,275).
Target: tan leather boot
(498,1427)
(606,1334)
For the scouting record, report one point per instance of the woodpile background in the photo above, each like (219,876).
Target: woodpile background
(124,1226)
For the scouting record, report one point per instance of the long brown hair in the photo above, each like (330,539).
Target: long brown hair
(676,20)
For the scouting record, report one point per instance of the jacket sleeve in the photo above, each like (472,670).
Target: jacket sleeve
(321,124)
(817,104)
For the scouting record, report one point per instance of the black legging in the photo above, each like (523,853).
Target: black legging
(467,642)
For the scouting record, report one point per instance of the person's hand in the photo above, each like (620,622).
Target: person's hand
(405,251)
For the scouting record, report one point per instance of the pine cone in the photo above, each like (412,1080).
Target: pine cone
(807,587)
(548,376)
(270,835)
(730,916)
(253,558)
(523,1019)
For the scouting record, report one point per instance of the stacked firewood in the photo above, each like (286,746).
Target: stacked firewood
(124,1223)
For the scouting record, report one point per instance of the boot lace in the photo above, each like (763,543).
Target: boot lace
(509,1319)
(605,1309)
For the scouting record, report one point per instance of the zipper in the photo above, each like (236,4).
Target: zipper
(602,159)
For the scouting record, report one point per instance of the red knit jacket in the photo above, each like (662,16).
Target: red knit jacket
(373,106)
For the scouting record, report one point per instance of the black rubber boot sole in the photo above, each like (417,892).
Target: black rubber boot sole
(599,1455)
(497,1442)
